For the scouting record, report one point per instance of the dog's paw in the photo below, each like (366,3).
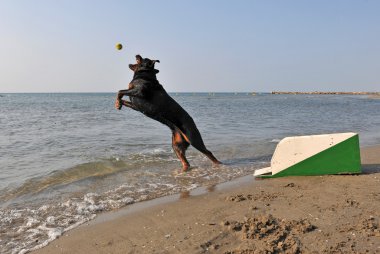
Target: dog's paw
(118,104)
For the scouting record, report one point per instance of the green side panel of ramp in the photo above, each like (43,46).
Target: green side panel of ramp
(343,158)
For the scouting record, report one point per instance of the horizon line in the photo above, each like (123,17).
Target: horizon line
(210,92)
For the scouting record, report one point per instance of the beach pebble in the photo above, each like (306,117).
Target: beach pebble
(215,247)
(225,223)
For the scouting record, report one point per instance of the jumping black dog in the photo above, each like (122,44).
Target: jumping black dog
(149,97)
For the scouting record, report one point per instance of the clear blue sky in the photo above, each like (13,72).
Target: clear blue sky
(215,45)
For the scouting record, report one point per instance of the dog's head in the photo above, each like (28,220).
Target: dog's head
(144,64)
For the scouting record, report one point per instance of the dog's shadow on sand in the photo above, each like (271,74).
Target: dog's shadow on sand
(370,168)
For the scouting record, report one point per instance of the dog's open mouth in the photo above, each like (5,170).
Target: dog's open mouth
(133,67)
(143,64)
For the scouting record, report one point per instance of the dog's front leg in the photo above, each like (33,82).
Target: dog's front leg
(128,104)
(134,92)
(118,103)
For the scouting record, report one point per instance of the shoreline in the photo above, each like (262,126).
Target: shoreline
(328,213)
(199,191)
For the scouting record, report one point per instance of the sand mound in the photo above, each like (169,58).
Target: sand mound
(269,234)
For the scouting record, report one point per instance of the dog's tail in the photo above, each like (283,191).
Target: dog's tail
(192,135)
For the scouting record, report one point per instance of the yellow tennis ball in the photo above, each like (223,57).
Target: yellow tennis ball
(119,46)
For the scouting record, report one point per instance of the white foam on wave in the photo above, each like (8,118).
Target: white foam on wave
(33,228)
(44,224)
(192,187)
(40,226)
(154,151)
(159,150)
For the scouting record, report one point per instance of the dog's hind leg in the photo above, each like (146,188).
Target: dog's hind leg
(210,156)
(197,142)
(180,145)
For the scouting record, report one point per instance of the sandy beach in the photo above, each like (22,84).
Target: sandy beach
(323,214)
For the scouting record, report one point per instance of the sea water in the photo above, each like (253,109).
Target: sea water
(66,157)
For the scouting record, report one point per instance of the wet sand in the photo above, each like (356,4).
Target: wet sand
(323,214)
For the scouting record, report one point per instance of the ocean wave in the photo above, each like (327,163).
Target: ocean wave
(28,229)
(90,170)
(32,227)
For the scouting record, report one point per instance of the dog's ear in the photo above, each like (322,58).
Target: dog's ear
(153,62)
(138,59)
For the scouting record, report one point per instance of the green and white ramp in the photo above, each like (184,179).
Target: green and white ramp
(315,155)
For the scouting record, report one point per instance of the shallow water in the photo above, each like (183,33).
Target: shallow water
(66,157)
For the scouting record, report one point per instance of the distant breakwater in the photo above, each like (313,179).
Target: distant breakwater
(316,92)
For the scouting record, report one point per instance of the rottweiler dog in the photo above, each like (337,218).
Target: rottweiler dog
(148,96)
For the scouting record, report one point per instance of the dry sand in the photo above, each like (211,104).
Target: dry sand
(324,214)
